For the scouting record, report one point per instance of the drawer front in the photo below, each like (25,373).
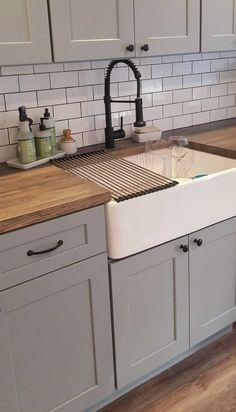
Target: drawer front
(61,242)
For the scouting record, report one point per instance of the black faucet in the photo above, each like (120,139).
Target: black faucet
(110,134)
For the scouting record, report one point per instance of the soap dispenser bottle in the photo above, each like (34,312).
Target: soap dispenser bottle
(25,138)
(49,123)
(43,141)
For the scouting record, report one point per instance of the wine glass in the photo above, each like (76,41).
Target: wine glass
(178,148)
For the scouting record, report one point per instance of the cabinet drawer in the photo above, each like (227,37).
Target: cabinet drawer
(61,241)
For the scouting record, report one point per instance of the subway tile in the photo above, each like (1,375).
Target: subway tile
(227,101)
(150,60)
(10,70)
(172,110)
(7,153)
(228,76)
(48,68)
(232,63)
(172,83)
(4,137)
(182,95)
(201,118)
(210,104)
(228,54)
(60,126)
(231,112)
(145,71)
(91,77)
(119,107)
(193,80)
(14,100)
(164,124)
(51,97)
(183,121)
(219,114)
(79,94)
(152,113)
(119,74)
(219,65)
(152,86)
(9,119)
(162,98)
(100,122)
(67,111)
(83,124)
(93,137)
(2,103)
(128,117)
(232,88)
(78,137)
(210,55)
(12,132)
(192,107)
(202,92)
(9,84)
(182,68)
(173,58)
(59,80)
(202,66)
(92,108)
(210,78)
(34,82)
(127,88)
(100,64)
(218,90)
(37,112)
(77,66)
(192,57)
(161,70)
(98,91)
(146,98)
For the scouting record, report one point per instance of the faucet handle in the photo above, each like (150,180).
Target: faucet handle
(121,122)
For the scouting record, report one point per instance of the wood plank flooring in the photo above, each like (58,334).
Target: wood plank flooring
(205,382)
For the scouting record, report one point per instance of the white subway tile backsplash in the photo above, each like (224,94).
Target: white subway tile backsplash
(201,118)
(192,107)
(78,137)
(67,111)
(14,100)
(162,98)
(193,80)
(177,91)
(34,82)
(90,77)
(172,83)
(4,137)
(9,84)
(79,94)
(172,110)
(182,68)
(161,70)
(210,104)
(182,95)
(66,79)
(51,97)
(183,121)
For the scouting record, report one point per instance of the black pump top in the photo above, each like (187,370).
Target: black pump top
(42,126)
(22,114)
(46,114)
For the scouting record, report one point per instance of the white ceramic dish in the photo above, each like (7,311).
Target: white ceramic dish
(16,164)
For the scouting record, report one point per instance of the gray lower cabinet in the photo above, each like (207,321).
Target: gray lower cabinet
(212,270)
(55,340)
(150,309)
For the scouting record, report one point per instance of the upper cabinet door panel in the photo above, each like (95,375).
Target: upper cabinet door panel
(24,32)
(218,27)
(91,29)
(167,26)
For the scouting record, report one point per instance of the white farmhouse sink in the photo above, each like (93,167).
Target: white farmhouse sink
(146,221)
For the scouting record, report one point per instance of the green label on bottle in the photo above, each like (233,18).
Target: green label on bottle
(54,143)
(27,151)
(43,147)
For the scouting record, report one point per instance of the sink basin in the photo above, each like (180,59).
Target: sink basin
(147,221)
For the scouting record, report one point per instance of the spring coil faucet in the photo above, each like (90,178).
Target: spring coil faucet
(110,134)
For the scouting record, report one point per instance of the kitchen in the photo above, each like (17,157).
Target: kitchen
(74,335)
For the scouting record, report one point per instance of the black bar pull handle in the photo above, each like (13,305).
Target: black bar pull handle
(41,252)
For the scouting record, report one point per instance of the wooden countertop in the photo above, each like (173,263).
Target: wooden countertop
(36,195)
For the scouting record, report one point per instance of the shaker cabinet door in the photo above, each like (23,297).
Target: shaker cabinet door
(218,25)
(167,26)
(85,30)
(24,32)
(150,310)
(55,341)
(212,268)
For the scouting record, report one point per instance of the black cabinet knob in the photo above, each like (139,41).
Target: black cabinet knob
(184,248)
(199,242)
(130,48)
(145,47)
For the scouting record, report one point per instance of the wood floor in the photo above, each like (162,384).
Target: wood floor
(206,382)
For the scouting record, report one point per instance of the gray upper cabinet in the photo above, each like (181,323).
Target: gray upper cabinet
(24,32)
(56,346)
(150,310)
(218,25)
(84,30)
(167,26)
(212,280)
